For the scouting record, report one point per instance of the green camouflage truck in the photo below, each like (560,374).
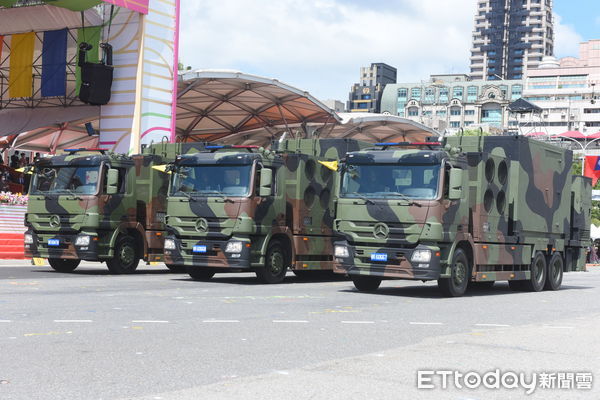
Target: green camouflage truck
(243,208)
(468,210)
(94,205)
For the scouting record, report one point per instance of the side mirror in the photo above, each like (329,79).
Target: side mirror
(455,184)
(112,181)
(266,182)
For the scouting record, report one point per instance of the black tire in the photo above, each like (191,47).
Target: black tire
(276,264)
(63,264)
(200,273)
(554,272)
(126,258)
(366,283)
(484,285)
(176,268)
(538,274)
(456,285)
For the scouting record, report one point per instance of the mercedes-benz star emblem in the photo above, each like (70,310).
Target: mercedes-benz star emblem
(202,225)
(381,231)
(55,221)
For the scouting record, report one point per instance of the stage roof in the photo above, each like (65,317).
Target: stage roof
(215,104)
(380,128)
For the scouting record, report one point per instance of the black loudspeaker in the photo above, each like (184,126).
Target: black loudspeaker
(96,78)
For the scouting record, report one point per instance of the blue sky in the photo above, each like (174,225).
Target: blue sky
(583,16)
(320,45)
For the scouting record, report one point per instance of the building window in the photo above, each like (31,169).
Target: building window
(415,93)
(454,124)
(443,95)
(472,94)
(518,52)
(492,69)
(402,93)
(427,113)
(455,111)
(491,53)
(469,112)
(429,95)
(492,61)
(440,113)
(413,112)
(467,123)
(504,90)
(457,92)
(363,105)
(365,97)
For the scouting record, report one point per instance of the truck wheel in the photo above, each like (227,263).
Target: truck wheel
(126,257)
(276,265)
(200,273)
(538,274)
(554,272)
(63,264)
(456,285)
(176,268)
(366,283)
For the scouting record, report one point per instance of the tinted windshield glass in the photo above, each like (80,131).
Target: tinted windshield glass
(211,180)
(391,180)
(65,180)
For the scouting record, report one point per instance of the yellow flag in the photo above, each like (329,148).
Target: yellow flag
(161,168)
(20,75)
(332,165)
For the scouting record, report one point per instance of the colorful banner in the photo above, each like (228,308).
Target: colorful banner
(91,36)
(20,77)
(140,6)
(54,63)
(592,168)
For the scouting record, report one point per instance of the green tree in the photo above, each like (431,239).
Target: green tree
(475,132)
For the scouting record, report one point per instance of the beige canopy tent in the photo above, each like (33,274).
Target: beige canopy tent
(380,128)
(48,129)
(227,106)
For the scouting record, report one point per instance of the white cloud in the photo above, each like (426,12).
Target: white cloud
(566,39)
(320,45)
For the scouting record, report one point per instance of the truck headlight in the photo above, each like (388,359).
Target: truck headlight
(421,256)
(82,240)
(28,238)
(341,251)
(169,244)
(233,247)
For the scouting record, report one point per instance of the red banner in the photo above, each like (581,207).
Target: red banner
(140,6)
(592,168)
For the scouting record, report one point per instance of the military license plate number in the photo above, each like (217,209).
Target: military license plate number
(379,257)
(199,249)
(53,242)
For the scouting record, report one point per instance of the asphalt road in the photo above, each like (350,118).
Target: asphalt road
(159,335)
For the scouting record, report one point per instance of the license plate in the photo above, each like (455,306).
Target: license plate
(53,242)
(378,257)
(199,249)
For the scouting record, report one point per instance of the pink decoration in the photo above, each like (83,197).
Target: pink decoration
(140,6)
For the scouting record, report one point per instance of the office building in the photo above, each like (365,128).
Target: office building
(365,96)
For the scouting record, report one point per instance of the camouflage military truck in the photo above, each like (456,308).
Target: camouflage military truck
(469,210)
(93,205)
(241,208)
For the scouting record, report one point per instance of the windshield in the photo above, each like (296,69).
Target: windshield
(391,180)
(66,180)
(211,180)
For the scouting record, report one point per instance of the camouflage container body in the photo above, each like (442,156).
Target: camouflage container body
(299,213)
(517,199)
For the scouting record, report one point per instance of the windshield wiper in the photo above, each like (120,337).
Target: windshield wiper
(220,194)
(411,202)
(365,198)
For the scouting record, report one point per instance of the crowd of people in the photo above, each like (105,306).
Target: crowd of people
(10,179)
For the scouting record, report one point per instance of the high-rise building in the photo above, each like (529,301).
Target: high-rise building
(510,36)
(366,95)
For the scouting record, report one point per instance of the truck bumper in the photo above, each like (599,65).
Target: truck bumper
(398,262)
(65,249)
(209,253)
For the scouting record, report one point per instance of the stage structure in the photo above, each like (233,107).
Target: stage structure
(40,69)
